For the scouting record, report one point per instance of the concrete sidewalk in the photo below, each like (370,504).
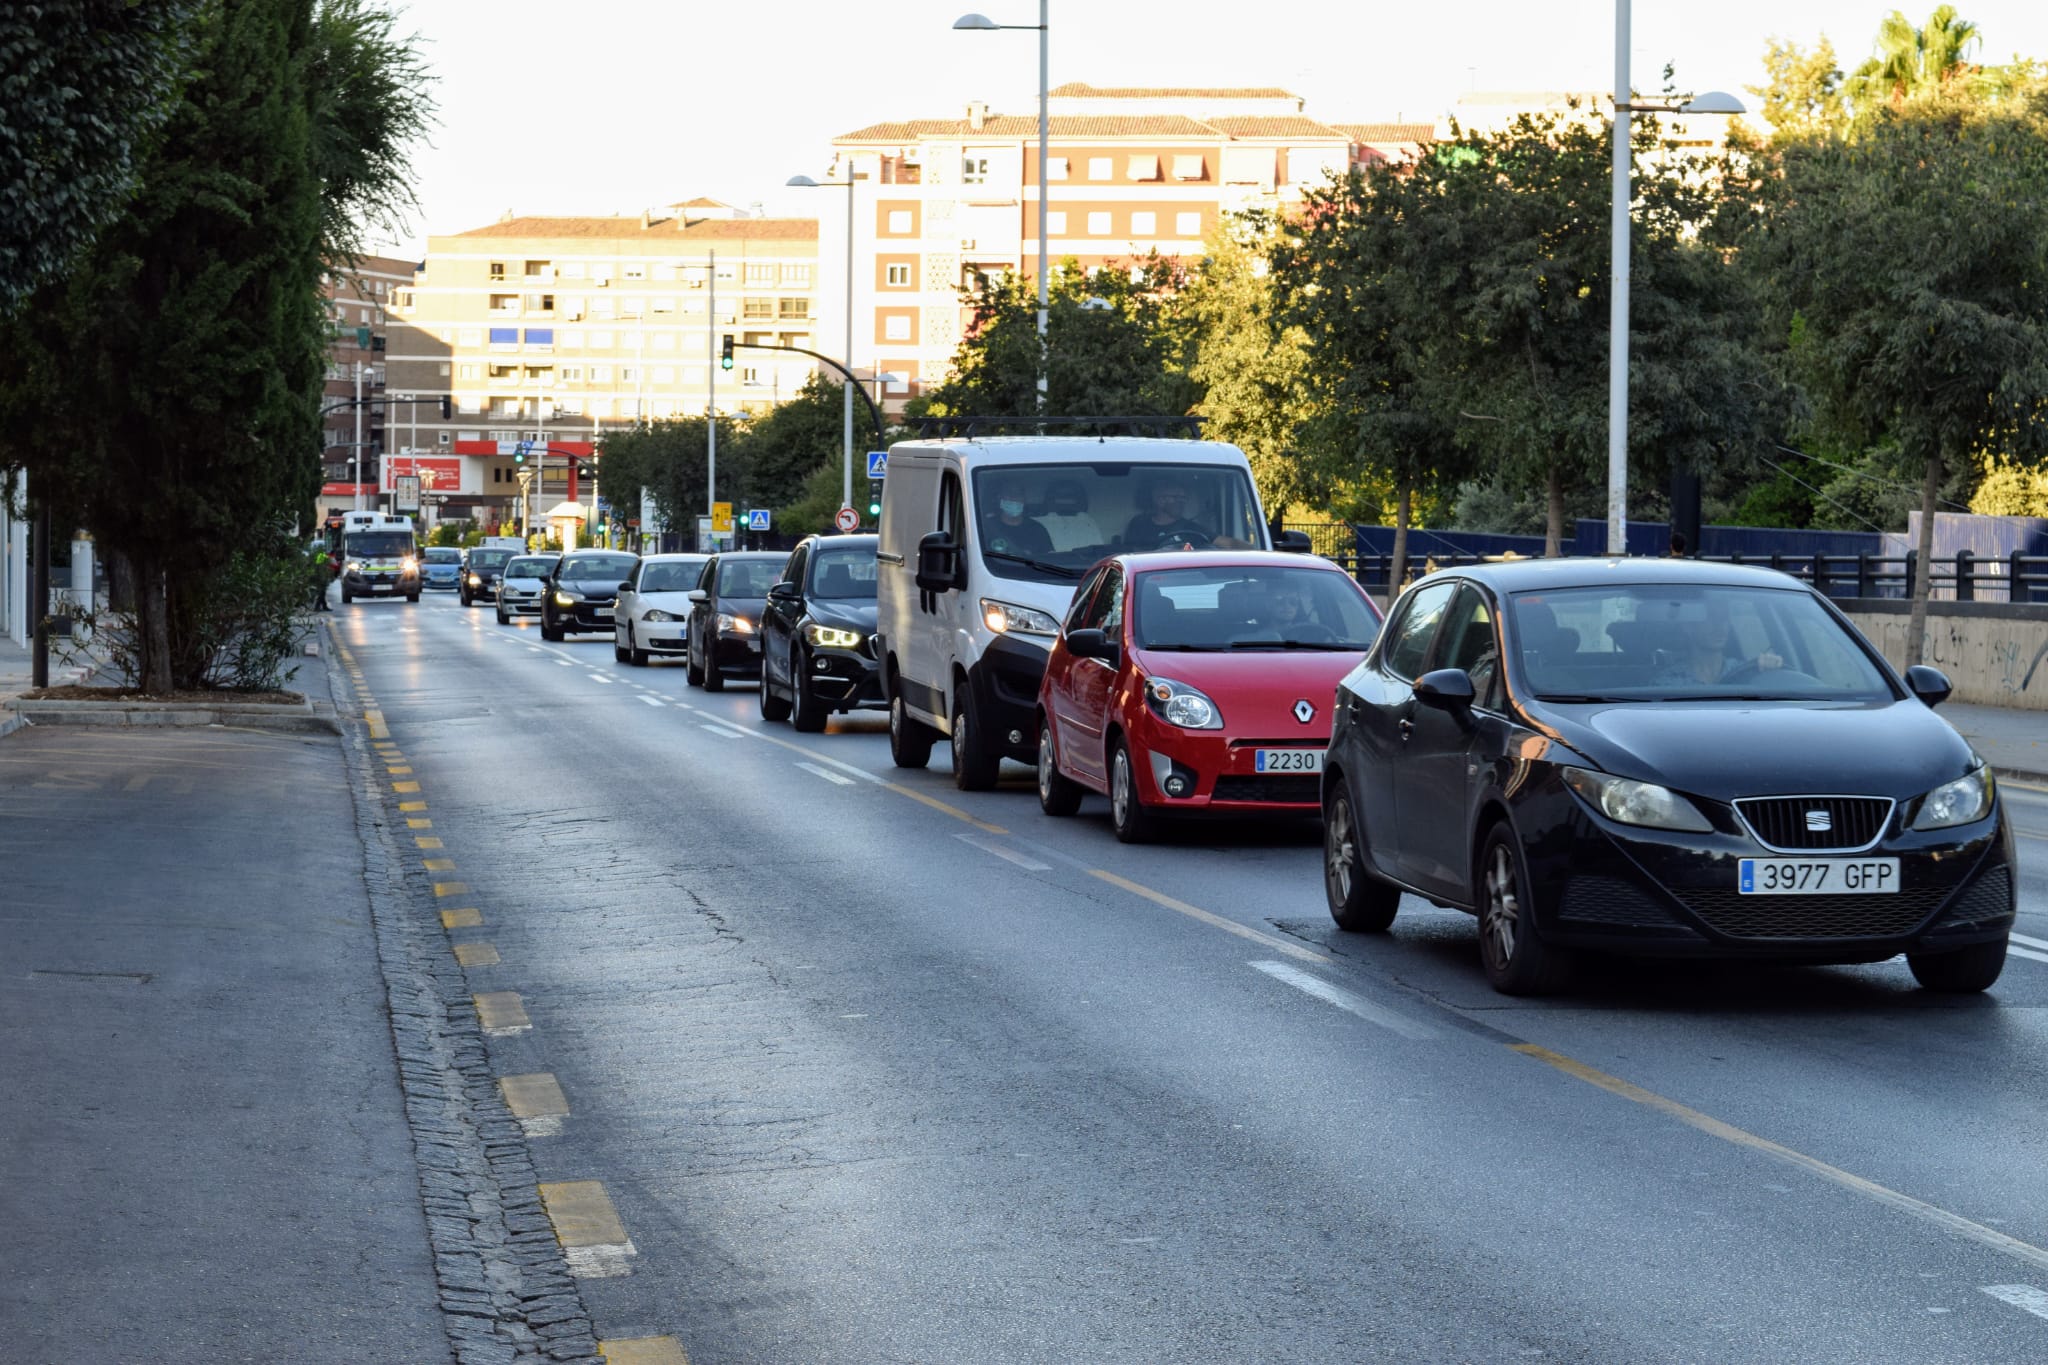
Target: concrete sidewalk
(2012,741)
(204,1154)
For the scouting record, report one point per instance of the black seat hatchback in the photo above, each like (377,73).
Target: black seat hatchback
(582,592)
(1660,757)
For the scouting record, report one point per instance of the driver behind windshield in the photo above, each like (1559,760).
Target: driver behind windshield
(1164,522)
(1706,657)
(1007,531)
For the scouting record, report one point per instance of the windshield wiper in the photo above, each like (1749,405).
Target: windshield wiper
(1590,697)
(1062,570)
(1187,649)
(1294,644)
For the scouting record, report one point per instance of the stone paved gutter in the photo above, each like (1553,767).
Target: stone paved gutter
(306,716)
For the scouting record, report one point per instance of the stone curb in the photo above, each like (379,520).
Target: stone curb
(305,717)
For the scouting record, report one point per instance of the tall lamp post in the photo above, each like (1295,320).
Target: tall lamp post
(846,389)
(983,24)
(1713,102)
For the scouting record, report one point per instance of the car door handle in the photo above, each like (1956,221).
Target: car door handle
(1407,728)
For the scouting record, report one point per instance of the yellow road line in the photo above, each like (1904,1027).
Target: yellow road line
(582,1214)
(643,1351)
(407,787)
(375,720)
(412,805)
(1229,926)
(419,822)
(534,1096)
(501,1012)
(397,770)
(445,889)
(468,917)
(424,840)
(476,955)
(939,805)
(1728,1132)
(438,864)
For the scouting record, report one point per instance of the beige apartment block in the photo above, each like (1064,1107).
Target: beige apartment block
(556,329)
(940,202)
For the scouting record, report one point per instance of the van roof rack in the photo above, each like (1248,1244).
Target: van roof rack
(967,427)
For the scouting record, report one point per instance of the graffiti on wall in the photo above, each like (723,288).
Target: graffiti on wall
(1992,661)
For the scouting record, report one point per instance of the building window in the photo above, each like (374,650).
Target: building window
(471,336)
(1144,224)
(1102,168)
(629,374)
(540,270)
(1098,225)
(1055,224)
(468,372)
(497,270)
(1187,167)
(663,305)
(896,328)
(664,374)
(899,222)
(504,337)
(974,170)
(505,372)
(543,337)
(755,307)
(572,270)
(1188,224)
(634,271)
(896,276)
(572,374)
(664,341)
(792,309)
(632,308)
(760,274)
(750,376)
(603,341)
(796,276)
(600,374)
(1055,168)
(505,303)
(1143,167)
(664,270)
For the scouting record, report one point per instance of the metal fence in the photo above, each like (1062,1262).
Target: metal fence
(1962,577)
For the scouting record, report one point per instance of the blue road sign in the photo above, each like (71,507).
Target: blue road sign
(757,519)
(878,464)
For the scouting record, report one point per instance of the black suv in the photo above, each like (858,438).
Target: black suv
(818,633)
(581,591)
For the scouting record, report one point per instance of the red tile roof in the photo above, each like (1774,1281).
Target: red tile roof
(1001,126)
(1273,125)
(628,229)
(1083,90)
(1388,132)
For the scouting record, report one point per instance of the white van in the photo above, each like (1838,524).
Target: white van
(983,539)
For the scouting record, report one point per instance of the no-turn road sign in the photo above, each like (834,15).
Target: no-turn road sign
(846,519)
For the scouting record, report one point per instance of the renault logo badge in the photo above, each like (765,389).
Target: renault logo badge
(1304,711)
(1818,822)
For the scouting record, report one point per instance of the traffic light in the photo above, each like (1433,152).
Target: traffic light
(519,453)
(725,355)
(447,407)
(874,497)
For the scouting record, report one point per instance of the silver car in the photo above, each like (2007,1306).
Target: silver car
(519,591)
(653,617)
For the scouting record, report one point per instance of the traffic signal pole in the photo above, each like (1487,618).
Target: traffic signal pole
(711,408)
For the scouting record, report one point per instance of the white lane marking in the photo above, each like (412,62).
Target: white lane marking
(827,774)
(2027,953)
(565,663)
(1322,990)
(721,731)
(2041,943)
(2022,1296)
(651,701)
(1007,854)
(600,678)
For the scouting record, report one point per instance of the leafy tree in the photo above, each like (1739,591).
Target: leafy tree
(86,85)
(1911,257)
(667,460)
(795,438)
(1911,62)
(1803,90)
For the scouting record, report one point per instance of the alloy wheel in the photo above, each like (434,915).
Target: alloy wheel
(1503,905)
(1339,851)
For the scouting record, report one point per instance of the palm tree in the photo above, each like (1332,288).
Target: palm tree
(1910,61)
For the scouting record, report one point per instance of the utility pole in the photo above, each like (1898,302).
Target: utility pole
(359,436)
(711,410)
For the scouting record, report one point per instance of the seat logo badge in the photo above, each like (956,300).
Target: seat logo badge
(1818,822)
(1304,711)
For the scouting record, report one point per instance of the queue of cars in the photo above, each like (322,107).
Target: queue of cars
(1618,756)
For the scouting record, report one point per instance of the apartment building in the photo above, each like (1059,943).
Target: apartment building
(941,201)
(358,296)
(554,330)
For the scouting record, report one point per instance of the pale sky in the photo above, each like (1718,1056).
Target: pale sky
(612,106)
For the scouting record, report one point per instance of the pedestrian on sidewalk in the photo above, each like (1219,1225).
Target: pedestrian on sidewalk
(324,570)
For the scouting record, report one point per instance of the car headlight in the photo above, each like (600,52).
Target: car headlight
(565,599)
(409,564)
(832,637)
(1636,803)
(1182,705)
(475,581)
(738,625)
(1007,618)
(659,615)
(353,566)
(1961,802)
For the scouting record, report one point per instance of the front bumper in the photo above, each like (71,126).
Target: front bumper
(1004,685)
(1220,771)
(737,656)
(518,602)
(1641,891)
(661,637)
(439,581)
(366,583)
(846,678)
(483,591)
(584,617)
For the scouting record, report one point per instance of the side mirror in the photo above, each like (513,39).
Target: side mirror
(699,595)
(1294,543)
(1447,689)
(938,563)
(786,592)
(626,586)
(1094,644)
(1930,685)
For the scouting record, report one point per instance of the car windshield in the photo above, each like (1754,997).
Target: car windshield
(529,566)
(1250,607)
(488,559)
(748,577)
(379,544)
(443,555)
(1051,522)
(598,569)
(1675,642)
(848,574)
(675,575)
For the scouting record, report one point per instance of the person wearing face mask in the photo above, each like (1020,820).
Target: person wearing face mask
(1006,530)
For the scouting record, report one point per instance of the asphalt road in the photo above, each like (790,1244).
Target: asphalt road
(874,1070)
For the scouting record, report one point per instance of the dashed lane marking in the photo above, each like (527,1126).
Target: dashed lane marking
(600,678)
(439,864)
(443,890)
(419,822)
(642,1351)
(1345,1000)
(412,805)
(593,1239)
(468,917)
(537,1101)
(375,720)
(476,955)
(407,787)
(722,732)
(501,1013)
(2028,953)
(424,840)
(1006,853)
(825,773)
(2021,1296)
(652,701)
(1952,1223)
(1228,926)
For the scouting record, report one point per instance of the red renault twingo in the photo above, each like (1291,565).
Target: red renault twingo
(1198,682)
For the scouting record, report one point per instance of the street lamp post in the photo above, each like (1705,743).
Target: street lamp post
(983,24)
(1713,102)
(846,389)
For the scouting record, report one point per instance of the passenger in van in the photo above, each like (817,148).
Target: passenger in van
(1068,523)
(1007,531)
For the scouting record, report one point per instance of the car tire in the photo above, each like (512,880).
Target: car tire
(1058,794)
(465,600)
(619,652)
(714,681)
(548,629)
(1359,902)
(1128,817)
(412,597)
(347,597)
(503,619)
(774,707)
(692,674)
(974,769)
(635,655)
(807,713)
(1960,971)
(1516,959)
(910,740)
